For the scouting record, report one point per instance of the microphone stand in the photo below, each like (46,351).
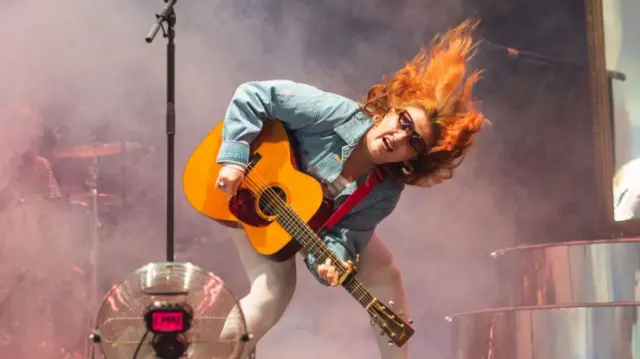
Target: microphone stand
(548,60)
(168,17)
(551,61)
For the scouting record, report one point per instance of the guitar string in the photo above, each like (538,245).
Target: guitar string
(361,292)
(277,200)
(297,230)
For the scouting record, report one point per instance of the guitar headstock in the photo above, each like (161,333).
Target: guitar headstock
(391,323)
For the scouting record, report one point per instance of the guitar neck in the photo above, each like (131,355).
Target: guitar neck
(312,243)
(359,292)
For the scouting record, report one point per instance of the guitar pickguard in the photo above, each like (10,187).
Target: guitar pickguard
(243,206)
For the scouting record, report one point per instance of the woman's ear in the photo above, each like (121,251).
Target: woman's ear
(407,168)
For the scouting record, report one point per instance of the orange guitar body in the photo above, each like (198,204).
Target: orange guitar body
(272,170)
(275,200)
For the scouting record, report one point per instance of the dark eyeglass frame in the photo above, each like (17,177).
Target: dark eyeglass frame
(415,140)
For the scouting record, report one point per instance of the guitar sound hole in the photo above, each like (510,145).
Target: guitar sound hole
(271,201)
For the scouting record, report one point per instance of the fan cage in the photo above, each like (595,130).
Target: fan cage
(120,322)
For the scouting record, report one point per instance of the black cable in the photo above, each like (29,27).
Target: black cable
(135,354)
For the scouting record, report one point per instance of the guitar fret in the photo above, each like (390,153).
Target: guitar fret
(307,238)
(297,228)
(353,285)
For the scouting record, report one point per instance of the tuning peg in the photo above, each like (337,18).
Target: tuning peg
(381,333)
(390,343)
(372,323)
(401,313)
(391,303)
(410,321)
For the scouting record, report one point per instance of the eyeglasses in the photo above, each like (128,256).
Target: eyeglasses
(415,140)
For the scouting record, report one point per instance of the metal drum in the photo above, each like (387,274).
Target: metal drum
(44,252)
(571,273)
(596,332)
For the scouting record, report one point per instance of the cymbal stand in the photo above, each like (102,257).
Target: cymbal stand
(92,183)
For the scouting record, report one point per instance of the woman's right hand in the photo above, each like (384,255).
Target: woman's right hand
(229,178)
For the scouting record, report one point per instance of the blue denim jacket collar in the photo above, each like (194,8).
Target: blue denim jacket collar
(351,132)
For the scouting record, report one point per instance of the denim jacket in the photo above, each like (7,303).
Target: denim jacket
(326,128)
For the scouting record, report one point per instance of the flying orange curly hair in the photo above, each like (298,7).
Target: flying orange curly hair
(436,81)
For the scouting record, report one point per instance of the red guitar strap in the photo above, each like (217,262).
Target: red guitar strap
(362,191)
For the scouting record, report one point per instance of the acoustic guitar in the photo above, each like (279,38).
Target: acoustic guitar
(281,209)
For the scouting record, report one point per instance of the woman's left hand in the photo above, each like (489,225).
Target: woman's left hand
(329,273)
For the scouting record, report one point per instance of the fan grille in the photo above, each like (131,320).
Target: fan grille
(121,324)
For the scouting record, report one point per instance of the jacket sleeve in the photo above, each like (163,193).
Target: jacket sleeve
(352,234)
(296,105)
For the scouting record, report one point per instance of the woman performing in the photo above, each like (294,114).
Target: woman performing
(416,126)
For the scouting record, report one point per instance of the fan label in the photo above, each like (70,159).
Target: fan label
(167,321)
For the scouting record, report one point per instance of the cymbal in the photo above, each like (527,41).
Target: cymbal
(99,149)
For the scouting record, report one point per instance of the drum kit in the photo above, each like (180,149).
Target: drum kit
(53,245)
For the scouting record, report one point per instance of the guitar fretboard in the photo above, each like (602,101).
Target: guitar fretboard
(312,243)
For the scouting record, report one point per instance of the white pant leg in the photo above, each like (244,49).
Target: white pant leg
(378,271)
(272,287)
